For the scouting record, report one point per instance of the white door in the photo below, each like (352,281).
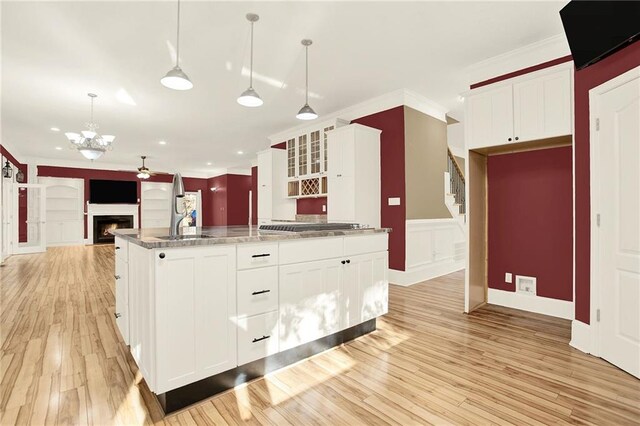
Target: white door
(309,301)
(616,189)
(365,288)
(490,118)
(30,228)
(7,217)
(196,314)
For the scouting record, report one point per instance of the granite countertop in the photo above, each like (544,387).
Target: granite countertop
(150,238)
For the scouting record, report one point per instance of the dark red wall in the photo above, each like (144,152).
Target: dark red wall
(254,195)
(22,197)
(190,184)
(391,122)
(584,80)
(530,202)
(311,205)
(230,200)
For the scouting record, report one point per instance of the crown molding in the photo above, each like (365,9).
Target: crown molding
(371,106)
(532,54)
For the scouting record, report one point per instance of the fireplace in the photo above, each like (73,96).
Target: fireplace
(103,224)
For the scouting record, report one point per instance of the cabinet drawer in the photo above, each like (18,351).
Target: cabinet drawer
(257,337)
(310,250)
(257,291)
(122,249)
(257,255)
(121,278)
(122,321)
(366,244)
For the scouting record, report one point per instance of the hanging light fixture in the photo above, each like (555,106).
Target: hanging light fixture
(19,176)
(250,97)
(143,172)
(7,171)
(306,112)
(176,78)
(88,142)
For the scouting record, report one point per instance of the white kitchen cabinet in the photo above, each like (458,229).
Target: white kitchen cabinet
(195,314)
(309,301)
(542,107)
(532,107)
(257,337)
(365,288)
(155,204)
(354,175)
(121,312)
(490,117)
(273,203)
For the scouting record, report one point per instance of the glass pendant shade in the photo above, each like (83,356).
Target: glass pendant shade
(91,153)
(250,98)
(176,79)
(73,137)
(306,113)
(143,175)
(19,176)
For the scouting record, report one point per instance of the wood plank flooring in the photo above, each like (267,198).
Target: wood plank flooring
(63,362)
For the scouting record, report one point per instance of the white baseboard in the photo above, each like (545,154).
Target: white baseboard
(581,336)
(428,272)
(525,302)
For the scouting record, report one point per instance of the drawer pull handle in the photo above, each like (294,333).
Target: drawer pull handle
(117,315)
(117,277)
(117,247)
(261,255)
(256,340)
(255,293)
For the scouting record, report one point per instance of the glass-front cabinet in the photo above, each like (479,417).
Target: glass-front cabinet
(307,159)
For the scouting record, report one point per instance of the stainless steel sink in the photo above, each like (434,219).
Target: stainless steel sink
(184,237)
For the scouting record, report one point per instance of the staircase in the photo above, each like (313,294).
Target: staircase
(454,190)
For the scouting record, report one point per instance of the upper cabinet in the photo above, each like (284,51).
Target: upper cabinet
(307,159)
(527,108)
(273,203)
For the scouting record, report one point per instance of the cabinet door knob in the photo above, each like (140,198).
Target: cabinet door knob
(517,138)
(338,175)
(509,139)
(260,338)
(117,247)
(117,277)
(348,260)
(117,315)
(343,262)
(161,255)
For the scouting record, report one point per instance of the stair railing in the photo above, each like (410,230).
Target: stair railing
(456,177)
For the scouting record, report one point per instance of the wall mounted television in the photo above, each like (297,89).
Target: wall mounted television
(596,29)
(113,191)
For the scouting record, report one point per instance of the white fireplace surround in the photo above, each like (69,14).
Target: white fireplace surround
(109,210)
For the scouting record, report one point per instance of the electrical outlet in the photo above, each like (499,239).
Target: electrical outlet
(526,285)
(508,277)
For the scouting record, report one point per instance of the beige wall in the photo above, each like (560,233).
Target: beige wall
(425,140)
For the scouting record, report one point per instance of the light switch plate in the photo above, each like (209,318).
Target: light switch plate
(508,278)
(394,201)
(324,207)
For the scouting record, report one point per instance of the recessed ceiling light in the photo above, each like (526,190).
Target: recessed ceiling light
(162,142)
(59,148)
(209,163)
(240,152)
(55,129)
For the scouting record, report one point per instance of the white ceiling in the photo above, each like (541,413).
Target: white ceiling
(53,53)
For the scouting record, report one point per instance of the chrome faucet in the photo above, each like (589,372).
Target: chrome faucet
(176,216)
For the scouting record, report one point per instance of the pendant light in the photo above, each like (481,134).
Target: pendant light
(176,78)
(7,171)
(306,112)
(250,97)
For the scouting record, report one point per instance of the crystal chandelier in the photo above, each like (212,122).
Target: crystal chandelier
(89,143)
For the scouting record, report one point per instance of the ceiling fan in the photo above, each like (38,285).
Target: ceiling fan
(144,172)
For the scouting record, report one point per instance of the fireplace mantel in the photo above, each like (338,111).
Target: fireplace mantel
(109,210)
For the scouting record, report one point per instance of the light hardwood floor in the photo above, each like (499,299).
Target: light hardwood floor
(64,362)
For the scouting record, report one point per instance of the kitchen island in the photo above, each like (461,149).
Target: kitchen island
(205,312)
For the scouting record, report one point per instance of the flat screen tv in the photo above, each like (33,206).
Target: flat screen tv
(113,191)
(596,29)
